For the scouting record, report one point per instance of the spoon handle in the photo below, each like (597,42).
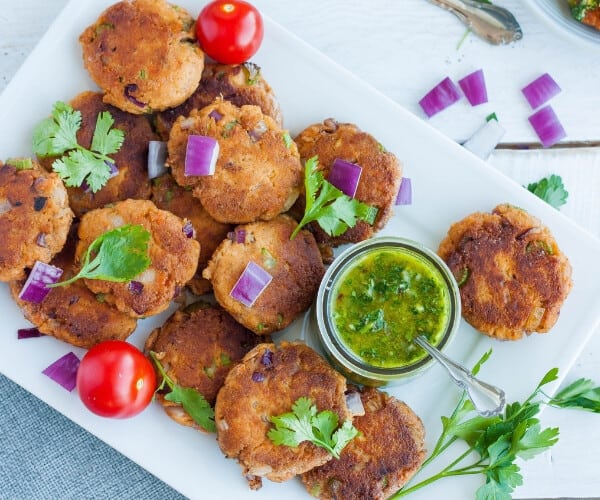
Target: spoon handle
(488,399)
(495,24)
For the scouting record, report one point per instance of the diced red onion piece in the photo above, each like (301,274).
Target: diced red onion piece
(485,139)
(441,96)
(540,91)
(35,290)
(258,131)
(5,206)
(136,287)
(201,155)
(157,157)
(40,241)
(129,90)
(258,376)
(251,283)
(215,115)
(188,229)
(473,86)
(404,196)
(547,126)
(267,358)
(28,333)
(345,176)
(64,371)
(354,404)
(237,236)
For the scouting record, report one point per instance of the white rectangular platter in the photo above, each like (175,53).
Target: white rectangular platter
(448,184)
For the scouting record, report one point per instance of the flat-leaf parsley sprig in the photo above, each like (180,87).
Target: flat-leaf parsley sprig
(116,255)
(305,424)
(495,443)
(328,206)
(57,136)
(194,403)
(550,189)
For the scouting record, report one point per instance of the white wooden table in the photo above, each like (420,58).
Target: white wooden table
(404,47)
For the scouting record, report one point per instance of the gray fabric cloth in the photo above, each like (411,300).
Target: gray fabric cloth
(44,455)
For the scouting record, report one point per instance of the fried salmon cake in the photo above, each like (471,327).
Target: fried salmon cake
(131,179)
(73,313)
(197,347)
(173,255)
(380,460)
(168,195)
(379,180)
(239,84)
(267,382)
(295,266)
(34,216)
(143,54)
(513,278)
(258,172)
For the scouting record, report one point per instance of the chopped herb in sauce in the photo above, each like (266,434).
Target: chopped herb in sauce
(385,300)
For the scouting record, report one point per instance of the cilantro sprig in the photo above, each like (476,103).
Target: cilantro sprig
(328,206)
(550,189)
(116,255)
(57,136)
(305,424)
(194,403)
(495,443)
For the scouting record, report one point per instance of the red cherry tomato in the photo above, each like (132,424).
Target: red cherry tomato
(115,379)
(229,31)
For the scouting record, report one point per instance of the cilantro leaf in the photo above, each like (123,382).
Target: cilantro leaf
(195,406)
(334,211)
(193,403)
(57,136)
(106,140)
(116,255)
(550,189)
(305,424)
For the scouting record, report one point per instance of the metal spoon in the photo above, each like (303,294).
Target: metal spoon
(488,399)
(494,24)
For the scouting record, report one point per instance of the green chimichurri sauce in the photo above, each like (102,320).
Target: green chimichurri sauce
(386,299)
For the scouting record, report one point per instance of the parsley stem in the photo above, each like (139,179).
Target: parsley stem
(446,472)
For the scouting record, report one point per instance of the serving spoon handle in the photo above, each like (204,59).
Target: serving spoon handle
(494,24)
(487,399)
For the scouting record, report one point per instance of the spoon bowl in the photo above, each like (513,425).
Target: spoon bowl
(492,23)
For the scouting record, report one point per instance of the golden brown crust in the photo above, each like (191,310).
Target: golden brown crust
(239,84)
(131,160)
(267,383)
(515,276)
(174,256)
(168,195)
(197,347)
(295,265)
(143,55)
(380,460)
(34,218)
(257,177)
(379,181)
(73,313)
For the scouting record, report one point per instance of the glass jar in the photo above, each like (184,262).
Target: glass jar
(401,309)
